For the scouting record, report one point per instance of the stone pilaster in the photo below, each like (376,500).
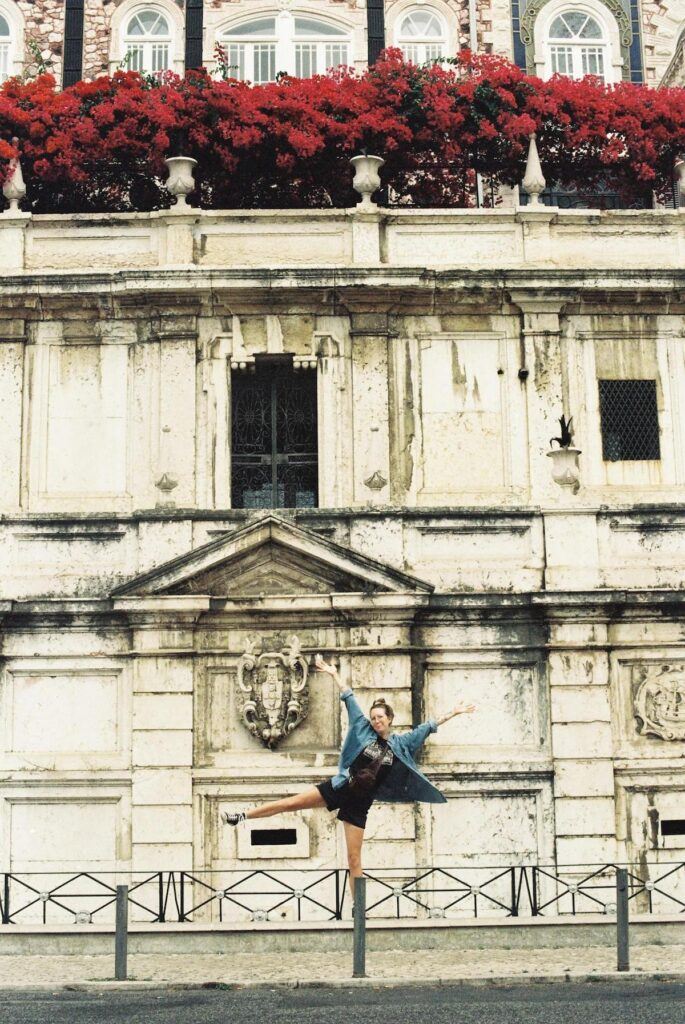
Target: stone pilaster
(541,367)
(162,735)
(177,419)
(335,415)
(12,356)
(582,744)
(371,426)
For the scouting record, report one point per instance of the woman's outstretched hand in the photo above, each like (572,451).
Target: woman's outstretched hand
(458,709)
(323,666)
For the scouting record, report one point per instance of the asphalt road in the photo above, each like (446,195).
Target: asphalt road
(598,1003)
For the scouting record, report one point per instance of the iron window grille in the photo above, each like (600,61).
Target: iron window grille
(630,421)
(274,460)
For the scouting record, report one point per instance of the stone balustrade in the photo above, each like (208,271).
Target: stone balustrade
(490,239)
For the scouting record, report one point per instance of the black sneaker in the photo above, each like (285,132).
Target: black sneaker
(230,818)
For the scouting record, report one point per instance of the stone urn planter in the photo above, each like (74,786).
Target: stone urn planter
(14,188)
(565,467)
(367,180)
(180,182)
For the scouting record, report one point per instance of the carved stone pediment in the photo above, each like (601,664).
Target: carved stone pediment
(272,691)
(271,556)
(659,703)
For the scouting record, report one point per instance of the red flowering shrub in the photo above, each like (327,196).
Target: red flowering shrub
(101,145)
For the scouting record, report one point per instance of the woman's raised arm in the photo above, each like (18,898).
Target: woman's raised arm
(459,709)
(323,666)
(354,712)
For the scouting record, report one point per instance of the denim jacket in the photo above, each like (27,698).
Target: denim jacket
(406,785)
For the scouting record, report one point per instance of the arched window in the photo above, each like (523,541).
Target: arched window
(5,48)
(147,41)
(577,46)
(301,46)
(421,35)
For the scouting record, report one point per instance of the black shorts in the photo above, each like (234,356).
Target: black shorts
(351,805)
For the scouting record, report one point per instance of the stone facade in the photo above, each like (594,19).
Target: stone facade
(485,25)
(442,561)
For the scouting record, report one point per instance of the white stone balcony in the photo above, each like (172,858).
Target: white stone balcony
(489,240)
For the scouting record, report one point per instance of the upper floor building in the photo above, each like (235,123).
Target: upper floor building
(634,40)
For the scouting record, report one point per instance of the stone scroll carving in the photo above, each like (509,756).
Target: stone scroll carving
(659,704)
(273,692)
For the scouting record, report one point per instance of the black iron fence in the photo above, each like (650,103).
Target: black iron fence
(315,895)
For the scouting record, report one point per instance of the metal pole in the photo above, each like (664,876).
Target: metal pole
(622,946)
(359,940)
(121,935)
(6,900)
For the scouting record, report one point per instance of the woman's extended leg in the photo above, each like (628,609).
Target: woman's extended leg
(308,798)
(354,838)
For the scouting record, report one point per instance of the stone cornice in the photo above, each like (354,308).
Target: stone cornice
(593,605)
(192,282)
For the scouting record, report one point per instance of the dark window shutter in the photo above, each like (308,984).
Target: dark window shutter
(72,68)
(375,20)
(194,9)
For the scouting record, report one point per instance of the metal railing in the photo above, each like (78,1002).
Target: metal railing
(316,895)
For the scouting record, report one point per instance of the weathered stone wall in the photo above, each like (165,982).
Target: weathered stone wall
(662,23)
(44,27)
(443,561)
(97,37)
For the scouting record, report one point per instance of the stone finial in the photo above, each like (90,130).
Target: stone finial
(166,484)
(180,181)
(533,182)
(14,188)
(366,178)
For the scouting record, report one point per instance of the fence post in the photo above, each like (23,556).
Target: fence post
(160,893)
(514,898)
(6,899)
(121,935)
(622,944)
(359,935)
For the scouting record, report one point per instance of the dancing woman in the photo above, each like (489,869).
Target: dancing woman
(375,764)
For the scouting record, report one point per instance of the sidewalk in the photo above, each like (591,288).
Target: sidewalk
(435,967)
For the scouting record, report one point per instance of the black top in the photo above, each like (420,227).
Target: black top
(377,750)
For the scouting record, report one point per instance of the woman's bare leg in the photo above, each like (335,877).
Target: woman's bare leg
(308,798)
(354,838)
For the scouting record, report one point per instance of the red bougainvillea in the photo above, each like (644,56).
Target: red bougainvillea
(101,145)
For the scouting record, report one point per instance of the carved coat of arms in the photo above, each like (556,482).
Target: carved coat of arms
(273,692)
(659,703)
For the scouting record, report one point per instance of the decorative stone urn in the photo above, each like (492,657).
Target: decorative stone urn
(565,467)
(180,181)
(534,180)
(366,178)
(14,188)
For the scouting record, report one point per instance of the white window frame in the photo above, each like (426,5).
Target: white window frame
(284,42)
(578,50)
(610,42)
(147,47)
(425,48)
(11,62)
(176,40)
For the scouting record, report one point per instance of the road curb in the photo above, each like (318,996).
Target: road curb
(502,981)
